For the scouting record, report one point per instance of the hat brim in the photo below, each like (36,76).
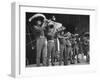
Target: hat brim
(37,16)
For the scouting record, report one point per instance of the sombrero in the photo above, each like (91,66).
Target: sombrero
(36,16)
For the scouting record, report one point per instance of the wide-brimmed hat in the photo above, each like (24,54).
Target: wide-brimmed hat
(37,16)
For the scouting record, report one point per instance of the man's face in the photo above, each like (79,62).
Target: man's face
(51,29)
(39,22)
(53,17)
(62,33)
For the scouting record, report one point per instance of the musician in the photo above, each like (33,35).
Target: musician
(63,53)
(69,47)
(51,44)
(41,41)
(86,48)
(75,47)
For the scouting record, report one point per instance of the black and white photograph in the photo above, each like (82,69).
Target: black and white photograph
(55,39)
(50,40)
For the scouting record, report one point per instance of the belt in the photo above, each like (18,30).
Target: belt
(50,40)
(42,37)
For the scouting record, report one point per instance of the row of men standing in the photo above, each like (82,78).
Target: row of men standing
(48,41)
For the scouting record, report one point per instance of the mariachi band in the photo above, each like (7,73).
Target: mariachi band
(56,45)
